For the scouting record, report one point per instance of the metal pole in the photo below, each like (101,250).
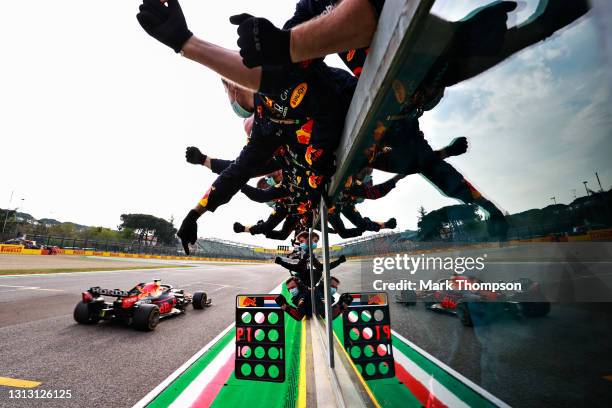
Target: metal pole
(585,187)
(313,298)
(7,212)
(326,284)
(599,182)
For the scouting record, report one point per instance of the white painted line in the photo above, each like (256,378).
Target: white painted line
(429,382)
(162,269)
(193,390)
(165,383)
(452,372)
(27,288)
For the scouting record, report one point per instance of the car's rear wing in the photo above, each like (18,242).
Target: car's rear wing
(96,290)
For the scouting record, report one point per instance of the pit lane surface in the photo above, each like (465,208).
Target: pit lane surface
(561,360)
(109,364)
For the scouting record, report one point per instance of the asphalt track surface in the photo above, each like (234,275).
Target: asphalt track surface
(561,360)
(110,364)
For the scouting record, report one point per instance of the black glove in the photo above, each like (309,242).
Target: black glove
(280,300)
(346,298)
(342,259)
(483,33)
(391,223)
(260,42)
(194,155)
(457,147)
(164,23)
(188,233)
(278,260)
(238,228)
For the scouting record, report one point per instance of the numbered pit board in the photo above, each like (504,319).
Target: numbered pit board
(260,339)
(367,335)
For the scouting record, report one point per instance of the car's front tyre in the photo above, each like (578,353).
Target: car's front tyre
(199,300)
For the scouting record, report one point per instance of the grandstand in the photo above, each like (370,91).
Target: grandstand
(383,243)
(218,248)
(206,247)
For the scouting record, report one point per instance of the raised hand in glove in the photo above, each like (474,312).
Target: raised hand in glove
(346,299)
(280,300)
(342,259)
(164,22)
(260,42)
(193,155)
(482,33)
(188,232)
(457,147)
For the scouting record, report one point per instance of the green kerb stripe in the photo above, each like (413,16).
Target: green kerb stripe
(389,392)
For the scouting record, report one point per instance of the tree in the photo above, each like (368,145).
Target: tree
(149,229)
(421,213)
(454,221)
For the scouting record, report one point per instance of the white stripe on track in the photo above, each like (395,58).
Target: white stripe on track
(428,381)
(193,390)
(478,389)
(164,384)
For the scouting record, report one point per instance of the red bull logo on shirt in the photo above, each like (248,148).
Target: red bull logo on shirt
(303,134)
(312,154)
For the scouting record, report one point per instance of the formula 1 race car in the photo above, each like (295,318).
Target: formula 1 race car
(142,306)
(480,305)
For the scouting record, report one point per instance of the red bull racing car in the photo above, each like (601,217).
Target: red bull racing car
(481,305)
(142,306)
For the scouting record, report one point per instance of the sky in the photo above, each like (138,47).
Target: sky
(95,116)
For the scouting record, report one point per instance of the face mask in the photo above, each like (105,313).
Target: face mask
(271,204)
(294,291)
(333,291)
(304,246)
(270,181)
(240,111)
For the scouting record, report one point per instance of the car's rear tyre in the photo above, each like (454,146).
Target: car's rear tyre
(199,300)
(146,317)
(535,309)
(463,313)
(83,315)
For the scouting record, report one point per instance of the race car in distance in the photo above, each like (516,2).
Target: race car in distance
(480,306)
(142,306)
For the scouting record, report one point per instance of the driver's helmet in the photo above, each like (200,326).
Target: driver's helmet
(152,288)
